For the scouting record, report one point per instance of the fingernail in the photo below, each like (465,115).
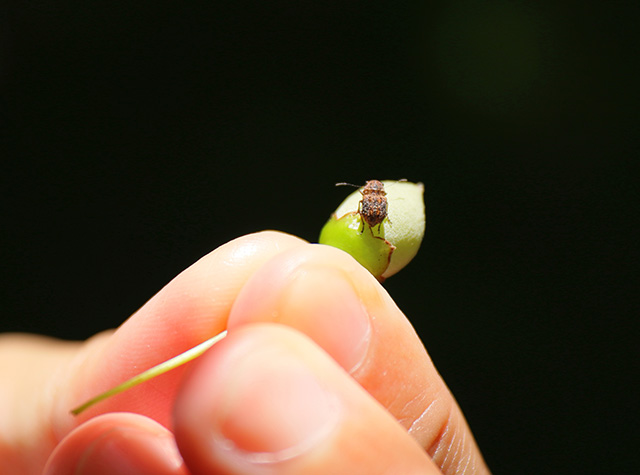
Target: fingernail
(272,408)
(126,450)
(323,303)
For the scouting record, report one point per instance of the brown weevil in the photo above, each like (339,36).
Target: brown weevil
(373,206)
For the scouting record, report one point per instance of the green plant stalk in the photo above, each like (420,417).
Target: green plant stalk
(157,370)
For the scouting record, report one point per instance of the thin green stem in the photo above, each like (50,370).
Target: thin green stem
(157,370)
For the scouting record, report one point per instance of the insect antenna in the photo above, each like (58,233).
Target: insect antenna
(348,184)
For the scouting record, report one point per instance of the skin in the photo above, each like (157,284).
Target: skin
(320,373)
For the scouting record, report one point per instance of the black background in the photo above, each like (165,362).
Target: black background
(138,137)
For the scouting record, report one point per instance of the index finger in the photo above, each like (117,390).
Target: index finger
(188,310)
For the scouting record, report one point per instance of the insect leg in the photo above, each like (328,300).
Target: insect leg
(361,218)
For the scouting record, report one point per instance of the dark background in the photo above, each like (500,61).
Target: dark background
(138,137)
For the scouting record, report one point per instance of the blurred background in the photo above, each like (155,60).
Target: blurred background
(136,138)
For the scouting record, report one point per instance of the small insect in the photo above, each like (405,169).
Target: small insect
(373,206)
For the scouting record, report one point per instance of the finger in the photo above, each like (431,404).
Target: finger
(119,443)
(268,400)
(28,364)
(324,293)
(190,309)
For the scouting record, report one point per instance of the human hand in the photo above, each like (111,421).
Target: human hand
(320,373)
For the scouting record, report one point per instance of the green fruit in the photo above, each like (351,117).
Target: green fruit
(385,249)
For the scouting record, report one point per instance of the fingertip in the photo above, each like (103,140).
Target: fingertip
(317,290)
(253,403)
(190,309)
(120,443)
(268,400)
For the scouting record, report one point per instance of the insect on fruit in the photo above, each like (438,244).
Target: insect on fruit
(386,252)
(373,206)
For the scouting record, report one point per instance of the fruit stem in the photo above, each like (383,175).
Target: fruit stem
(157,370)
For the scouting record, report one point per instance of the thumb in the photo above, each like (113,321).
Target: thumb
(192,308)
(267,399)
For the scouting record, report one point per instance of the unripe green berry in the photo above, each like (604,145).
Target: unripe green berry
(386,248)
